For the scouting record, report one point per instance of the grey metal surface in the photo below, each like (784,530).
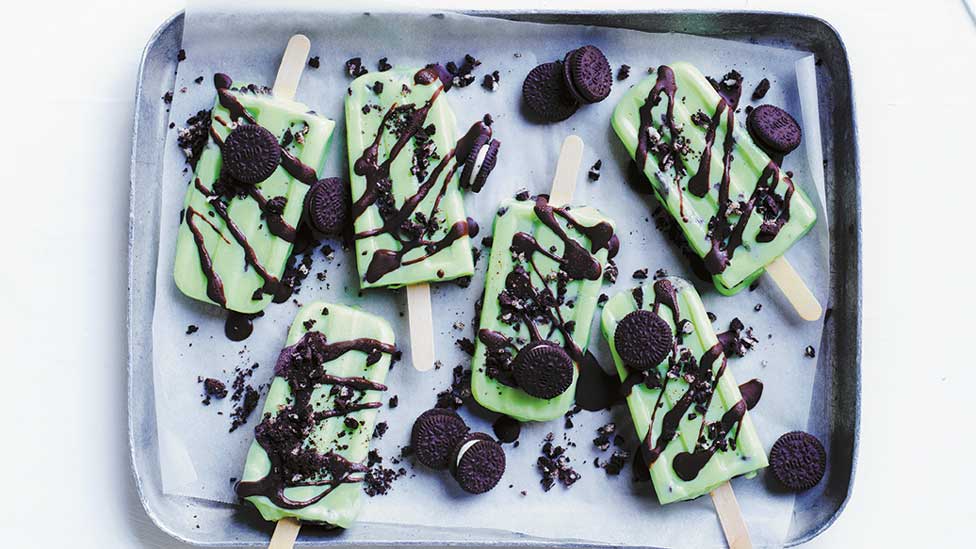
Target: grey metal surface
(835,412)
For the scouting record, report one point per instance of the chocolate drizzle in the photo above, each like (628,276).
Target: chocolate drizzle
(694,402)
(215,287)
(283,436)
(725,235)
(276,223)
(666,151)
(523,302)
(411,229)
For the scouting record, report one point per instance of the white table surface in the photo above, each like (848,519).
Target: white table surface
(69,100)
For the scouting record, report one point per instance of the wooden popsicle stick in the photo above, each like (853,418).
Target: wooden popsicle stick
(730,517)
(421,319)
(796,291)
(567,168)
(286,83)
(285,534)
(291,67)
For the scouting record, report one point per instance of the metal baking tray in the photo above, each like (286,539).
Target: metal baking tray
(835,413)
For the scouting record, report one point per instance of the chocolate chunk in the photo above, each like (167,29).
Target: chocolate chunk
(327,206)
(594,173)
(314,62)
(251,153)
(774,128)
(761,89)
(355,68)
(491,157)
(624,72)
(587,74)
(543,369)
(798,460)
(507,429)
(546,94)
(478,467)
(643,339)
(214,388)
(434,435)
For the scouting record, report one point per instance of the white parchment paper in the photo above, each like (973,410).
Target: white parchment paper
(199,457)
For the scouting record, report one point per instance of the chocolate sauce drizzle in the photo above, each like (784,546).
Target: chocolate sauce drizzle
(283,435)
(725,236)
(399,222)
(702,384)
(215,286)
(523,302)
(277,226)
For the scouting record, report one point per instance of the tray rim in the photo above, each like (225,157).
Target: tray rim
(528,541)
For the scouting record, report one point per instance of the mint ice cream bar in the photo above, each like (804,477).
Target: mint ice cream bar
(689,413)
(307,460)
(543,281)
(739,212)
(239,219)
(405,162)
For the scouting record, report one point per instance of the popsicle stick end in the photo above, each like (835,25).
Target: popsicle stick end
(795,290)
(421,319)
(285,534)
(730,517)
(567,170)
(291,67)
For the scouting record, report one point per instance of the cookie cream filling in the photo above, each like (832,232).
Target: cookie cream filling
(478,162)
(464,448)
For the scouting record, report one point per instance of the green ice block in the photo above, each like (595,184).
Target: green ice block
(344,431)
(214,261)
(750,168)
(405,114)
(650,404)
(577,305)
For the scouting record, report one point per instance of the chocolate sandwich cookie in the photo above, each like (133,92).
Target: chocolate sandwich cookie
(544,91)
(543,369)
(477,463)
(251,153)
(774,128)
(327,206)
(434,435)
(643,339)
(587,74)
(798,460)
(480,154)
(482,172)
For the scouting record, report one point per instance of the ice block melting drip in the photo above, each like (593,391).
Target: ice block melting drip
(544,275)
(227,222)
(427,215)
(687,408)
(698,113)
(318,419)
